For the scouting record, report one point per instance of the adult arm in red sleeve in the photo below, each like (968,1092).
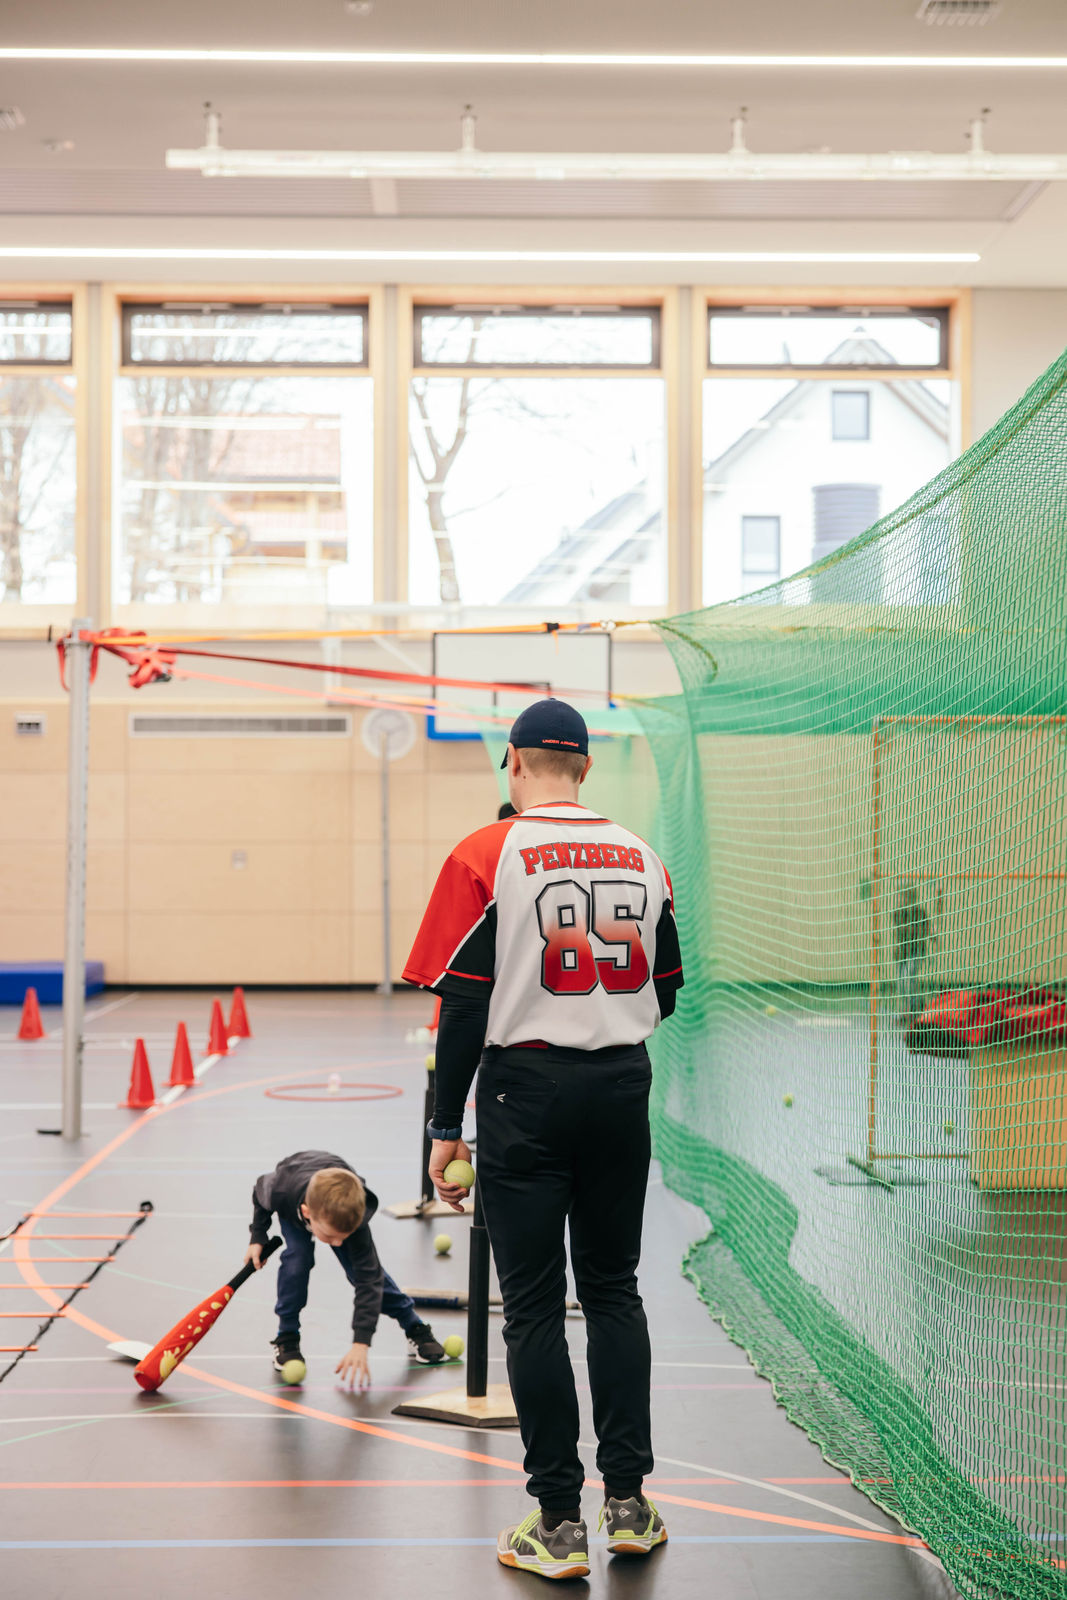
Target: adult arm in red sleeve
(455,954)
(457,935)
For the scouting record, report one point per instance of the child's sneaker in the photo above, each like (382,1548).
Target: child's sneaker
(423,1346)
(634,1526)
(286,1348)
(563,1553)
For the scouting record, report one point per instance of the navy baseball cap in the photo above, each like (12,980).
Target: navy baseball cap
(549,725)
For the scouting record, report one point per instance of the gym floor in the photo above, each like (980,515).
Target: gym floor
(265,1491)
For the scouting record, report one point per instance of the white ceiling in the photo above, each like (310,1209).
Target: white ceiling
(112,188)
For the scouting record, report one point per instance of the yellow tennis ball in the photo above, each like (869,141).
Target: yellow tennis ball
(431,1061)
(787,1100)
(461,1173)
(453,1347)
(770,1011)
(442,1244)
(294,1371)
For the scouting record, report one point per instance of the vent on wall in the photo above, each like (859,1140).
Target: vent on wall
(957,13)
(332,725)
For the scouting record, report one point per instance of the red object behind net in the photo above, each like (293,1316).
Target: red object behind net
(960,1020)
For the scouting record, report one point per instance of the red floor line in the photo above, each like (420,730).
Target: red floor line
(21,1256)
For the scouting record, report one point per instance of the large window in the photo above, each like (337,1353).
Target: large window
(818,420)
(179,335)
(244,454)
(38,496)
(251,474)
(828,336)
(537,444)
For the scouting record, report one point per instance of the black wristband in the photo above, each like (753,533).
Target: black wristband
(446,1135)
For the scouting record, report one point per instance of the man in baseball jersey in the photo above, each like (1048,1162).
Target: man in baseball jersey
(550,937)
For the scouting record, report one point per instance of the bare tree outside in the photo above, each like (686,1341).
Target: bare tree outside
(37,485)
(435,449)
(183,526)
(435,460)
(447,408)
(170,534)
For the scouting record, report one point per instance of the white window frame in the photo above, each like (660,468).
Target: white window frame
(29,620)
(532,298)
(233,621)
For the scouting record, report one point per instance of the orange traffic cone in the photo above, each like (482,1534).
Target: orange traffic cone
(217,1043)
(31,1027)
(181,1067)
(142,1092)
(238,1026)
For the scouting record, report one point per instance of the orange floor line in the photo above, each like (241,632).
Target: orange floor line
(794,1522)
(435,1446)
(20,1242)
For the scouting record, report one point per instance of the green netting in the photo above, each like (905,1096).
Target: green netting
(861,798)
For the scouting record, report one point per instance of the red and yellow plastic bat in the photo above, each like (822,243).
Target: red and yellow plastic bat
(154,1368)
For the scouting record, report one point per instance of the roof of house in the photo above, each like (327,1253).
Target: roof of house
(290,449)
(593,562)
(856,351)
(295,450)
(597,555)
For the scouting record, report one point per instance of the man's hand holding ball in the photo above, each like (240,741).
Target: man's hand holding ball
(451,1185)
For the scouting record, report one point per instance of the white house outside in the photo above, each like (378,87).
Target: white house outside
(821,461)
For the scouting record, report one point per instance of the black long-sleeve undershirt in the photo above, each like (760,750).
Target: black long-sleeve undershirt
(461,1031)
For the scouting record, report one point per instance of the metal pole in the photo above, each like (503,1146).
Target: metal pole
(78,653)
(478,1305)
(386,985)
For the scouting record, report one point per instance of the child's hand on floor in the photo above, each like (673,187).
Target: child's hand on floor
(354,1367)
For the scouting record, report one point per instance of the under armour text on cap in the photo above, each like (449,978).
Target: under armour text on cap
(549,725)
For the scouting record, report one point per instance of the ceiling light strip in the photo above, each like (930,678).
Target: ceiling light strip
(63,252)
(899,166)
(509,58)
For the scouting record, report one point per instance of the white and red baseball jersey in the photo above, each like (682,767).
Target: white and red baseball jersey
(568,916)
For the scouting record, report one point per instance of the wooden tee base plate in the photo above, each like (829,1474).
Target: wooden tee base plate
(494,1409)
(407,1210)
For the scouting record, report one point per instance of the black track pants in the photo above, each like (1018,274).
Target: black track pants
(563,1136)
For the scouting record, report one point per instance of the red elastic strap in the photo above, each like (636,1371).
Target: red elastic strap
(94,657)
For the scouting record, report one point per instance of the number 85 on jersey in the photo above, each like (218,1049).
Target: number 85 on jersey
(593,936)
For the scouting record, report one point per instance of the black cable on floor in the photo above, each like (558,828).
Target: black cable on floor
(145,1211)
